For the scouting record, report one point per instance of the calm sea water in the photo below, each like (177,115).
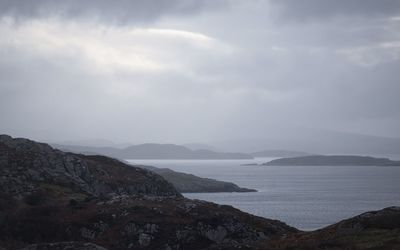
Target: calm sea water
(306,197)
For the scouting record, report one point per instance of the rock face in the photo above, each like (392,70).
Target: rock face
(126,222)
(55,200)
(27,166)
(333,160)
(188,183)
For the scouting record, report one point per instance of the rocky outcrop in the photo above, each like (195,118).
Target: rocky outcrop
(371,230)
(188,183)
(388,218)
(128,222)
(27,166)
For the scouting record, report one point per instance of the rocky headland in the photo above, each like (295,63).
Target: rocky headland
(188,183)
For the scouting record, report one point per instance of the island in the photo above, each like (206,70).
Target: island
(332,160)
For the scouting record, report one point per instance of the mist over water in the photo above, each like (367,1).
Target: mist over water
(306,197)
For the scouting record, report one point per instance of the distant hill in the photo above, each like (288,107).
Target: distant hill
(188,183)
(93,143)
(333,160)
(153,151)
(197,146)
(279,153)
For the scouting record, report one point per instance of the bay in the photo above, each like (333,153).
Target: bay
(306,197)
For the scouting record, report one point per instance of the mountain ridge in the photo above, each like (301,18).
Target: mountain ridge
(279,153)
(154,151)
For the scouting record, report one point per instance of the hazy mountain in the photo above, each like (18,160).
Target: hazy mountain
(93,143)
(315,141)
(197,146)
(154,151)
(279,153)
(333,160)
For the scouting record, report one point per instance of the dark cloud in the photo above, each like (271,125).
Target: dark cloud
(322,9)
(237,73)
(116,11)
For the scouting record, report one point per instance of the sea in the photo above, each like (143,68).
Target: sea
(306,197)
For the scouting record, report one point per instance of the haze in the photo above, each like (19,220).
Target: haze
(216,72)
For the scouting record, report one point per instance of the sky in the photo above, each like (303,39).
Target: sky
(185,71)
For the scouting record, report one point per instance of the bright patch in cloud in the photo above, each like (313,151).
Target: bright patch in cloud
(107,50)
(368,56)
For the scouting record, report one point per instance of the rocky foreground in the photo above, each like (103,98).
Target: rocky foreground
(48,196)
(377,230)
(55,200)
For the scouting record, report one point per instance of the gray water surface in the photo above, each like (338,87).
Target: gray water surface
(306,197)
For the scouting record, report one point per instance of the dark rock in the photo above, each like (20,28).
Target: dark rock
(371,230)
(64,246)
(128,222)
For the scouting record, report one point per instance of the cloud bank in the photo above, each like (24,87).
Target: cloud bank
(198,71)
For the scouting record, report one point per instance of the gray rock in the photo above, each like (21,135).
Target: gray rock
(64,246)
(144,239)
(216,235)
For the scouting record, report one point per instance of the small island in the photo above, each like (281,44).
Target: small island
(332,160)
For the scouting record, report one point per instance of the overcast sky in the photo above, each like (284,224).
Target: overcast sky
(198,71)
